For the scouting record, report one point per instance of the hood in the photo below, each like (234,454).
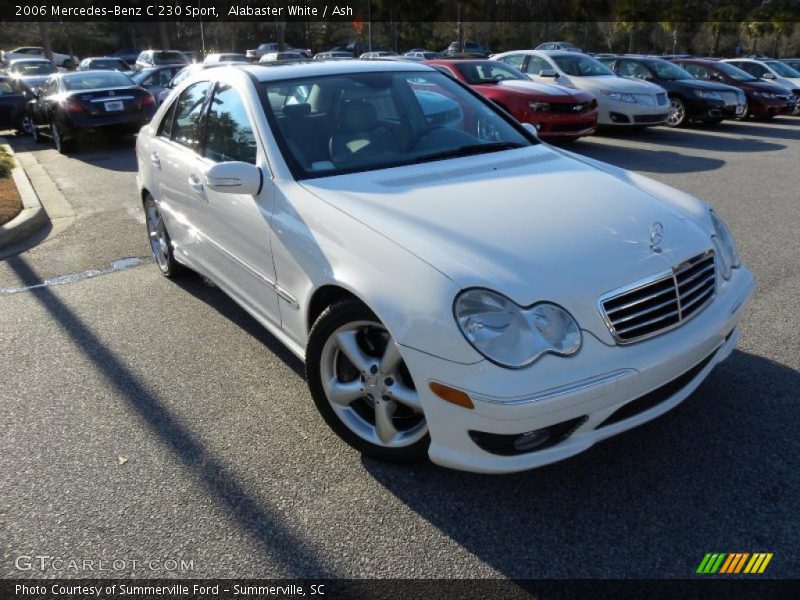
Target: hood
(765,86)
(700,84)
(540,89)
(613,83)
(533,224)
(791,83)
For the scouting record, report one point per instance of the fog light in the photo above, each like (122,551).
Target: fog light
(530,440)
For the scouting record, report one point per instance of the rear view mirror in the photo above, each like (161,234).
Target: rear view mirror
(547,73)
(234,178)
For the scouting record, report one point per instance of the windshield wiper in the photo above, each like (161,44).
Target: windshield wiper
(469,150)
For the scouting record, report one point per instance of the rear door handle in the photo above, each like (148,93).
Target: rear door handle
(155,159)
(195,183)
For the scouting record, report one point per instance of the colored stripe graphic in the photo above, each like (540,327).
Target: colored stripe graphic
(733,562)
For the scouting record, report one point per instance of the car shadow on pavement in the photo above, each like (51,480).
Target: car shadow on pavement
(649,161)
(274,538)
(710,139)
(209,293)
(718,472)
(785,128)
(114,153)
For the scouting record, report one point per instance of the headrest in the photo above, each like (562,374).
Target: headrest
(294,111)
(358,115)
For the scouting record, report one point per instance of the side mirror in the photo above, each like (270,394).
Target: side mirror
(768,75)
(234,178)
(547,73)
(531,129)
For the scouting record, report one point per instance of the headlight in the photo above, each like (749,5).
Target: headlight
(510,335)
(764,94)
(726,248)
(619,96)
(707,95)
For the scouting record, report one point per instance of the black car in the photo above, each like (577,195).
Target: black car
(764,99)
(14,97)
(129,55)
(690,99)
(71,104)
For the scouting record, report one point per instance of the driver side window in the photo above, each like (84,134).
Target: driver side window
(189,115)
(515,60)
(536,65)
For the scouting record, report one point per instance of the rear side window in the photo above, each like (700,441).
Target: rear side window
(229,133)
(190,108)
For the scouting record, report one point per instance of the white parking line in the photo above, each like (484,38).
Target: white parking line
(117,265)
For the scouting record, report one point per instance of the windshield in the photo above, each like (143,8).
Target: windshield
(782,69)
(489,71)
(362,121)
(169,58)
(667,70)
(734,72)
(107,63)
(97,80)
(33,68)
(580,65)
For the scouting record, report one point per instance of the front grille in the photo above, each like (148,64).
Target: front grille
(568,107)
(650,118)
(657,396)
(662,302)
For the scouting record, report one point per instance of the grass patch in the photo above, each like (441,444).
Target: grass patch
(10,203)
(6,162)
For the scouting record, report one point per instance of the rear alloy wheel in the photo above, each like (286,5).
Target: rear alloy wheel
(160,244)
(677,113)
(25,125)
(62,145)
(361,385)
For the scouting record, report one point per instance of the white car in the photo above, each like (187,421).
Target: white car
(774,71)
(60,60)
(621,101)
(463,291)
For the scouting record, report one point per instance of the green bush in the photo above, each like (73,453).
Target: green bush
(6,162)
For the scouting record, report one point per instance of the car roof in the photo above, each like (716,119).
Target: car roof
(265,73)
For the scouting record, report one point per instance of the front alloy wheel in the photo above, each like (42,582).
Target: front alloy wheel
(677,113)
(361,385)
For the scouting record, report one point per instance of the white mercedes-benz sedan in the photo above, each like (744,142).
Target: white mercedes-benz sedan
(454,286)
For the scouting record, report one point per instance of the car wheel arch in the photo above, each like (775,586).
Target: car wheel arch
(327,295)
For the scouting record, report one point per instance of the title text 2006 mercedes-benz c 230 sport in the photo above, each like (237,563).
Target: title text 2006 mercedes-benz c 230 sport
(453,285)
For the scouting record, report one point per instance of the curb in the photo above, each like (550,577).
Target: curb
(32,217)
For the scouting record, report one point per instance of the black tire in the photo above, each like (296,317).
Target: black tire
(330,321)
(678,108)
(162,252)
(62,145)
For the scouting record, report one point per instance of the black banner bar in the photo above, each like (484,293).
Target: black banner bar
(427,589)
(395,11)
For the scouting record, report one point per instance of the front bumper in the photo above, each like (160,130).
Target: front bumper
(560,125)
(586,389)
(630,114)
(700,109)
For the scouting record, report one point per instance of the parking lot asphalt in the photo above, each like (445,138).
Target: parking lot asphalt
(149,420)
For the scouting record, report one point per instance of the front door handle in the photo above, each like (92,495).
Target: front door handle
(155,159)
(195,183)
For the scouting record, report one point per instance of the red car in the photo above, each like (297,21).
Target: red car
(556,111)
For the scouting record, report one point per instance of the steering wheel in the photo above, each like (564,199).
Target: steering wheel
(423,133)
